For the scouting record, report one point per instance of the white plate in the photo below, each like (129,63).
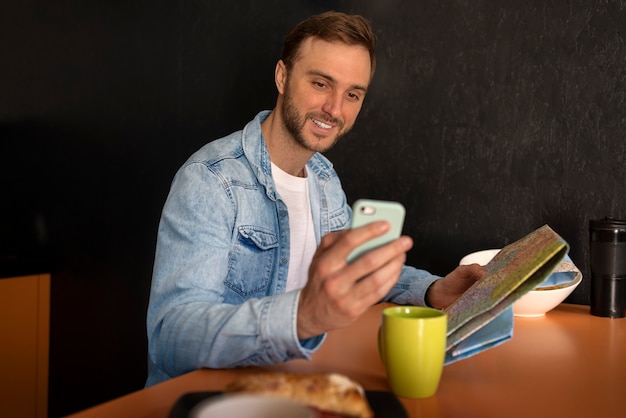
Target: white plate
(249,406)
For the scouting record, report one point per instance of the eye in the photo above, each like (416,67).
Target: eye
(319,85)
(354,97)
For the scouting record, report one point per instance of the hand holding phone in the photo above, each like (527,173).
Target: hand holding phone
(365,211)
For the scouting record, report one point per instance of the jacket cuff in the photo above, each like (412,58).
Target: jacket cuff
(281,331)
(412,287)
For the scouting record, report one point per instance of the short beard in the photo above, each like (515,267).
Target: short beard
(294,123)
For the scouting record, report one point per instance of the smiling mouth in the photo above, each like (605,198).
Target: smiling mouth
(321,124)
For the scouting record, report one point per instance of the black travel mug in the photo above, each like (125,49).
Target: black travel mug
(607,242)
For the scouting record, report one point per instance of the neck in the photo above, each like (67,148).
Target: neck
(284,151)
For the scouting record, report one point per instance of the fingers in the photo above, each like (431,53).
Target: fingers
(337,292)
(446,290)
(377,283)
(335,247)
(330,260)
(375,259)
(335,301)
(470,272)
(344,242)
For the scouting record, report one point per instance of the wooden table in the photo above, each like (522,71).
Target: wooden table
(565,364)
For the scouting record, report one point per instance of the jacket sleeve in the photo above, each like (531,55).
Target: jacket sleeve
(189,323)
(411,287)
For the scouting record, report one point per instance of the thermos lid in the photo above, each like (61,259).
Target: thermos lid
(608,229)
(608,223)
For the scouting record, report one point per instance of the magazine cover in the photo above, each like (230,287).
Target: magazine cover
(515,270)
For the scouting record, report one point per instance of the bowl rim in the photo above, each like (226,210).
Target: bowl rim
(478,252)
(577,279)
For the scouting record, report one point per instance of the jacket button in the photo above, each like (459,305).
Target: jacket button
(284,260)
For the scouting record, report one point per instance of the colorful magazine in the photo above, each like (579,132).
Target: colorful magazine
(515,270)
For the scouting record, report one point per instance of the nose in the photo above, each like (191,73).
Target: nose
(332,105)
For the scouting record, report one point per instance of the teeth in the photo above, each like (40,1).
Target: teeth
(321,124)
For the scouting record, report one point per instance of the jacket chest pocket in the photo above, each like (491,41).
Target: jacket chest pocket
(252,260)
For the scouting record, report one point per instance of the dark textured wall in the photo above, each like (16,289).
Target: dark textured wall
(487,120)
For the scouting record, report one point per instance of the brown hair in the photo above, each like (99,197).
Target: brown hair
(331,27)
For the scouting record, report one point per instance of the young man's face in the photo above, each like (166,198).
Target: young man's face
(324,91)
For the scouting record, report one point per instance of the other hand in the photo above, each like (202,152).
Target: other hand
(444,291)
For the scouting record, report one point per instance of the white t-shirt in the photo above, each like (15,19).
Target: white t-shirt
(295,193)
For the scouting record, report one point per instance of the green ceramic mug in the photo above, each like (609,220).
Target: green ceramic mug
(412,344)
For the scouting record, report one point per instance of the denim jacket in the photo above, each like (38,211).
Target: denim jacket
(218,295)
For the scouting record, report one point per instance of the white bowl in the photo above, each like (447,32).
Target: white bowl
(543,299)
(479,257)
(249,406)
(539,300)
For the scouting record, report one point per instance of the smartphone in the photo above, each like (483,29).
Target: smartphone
(365,211)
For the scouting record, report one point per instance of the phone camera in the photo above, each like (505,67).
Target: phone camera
(367,210)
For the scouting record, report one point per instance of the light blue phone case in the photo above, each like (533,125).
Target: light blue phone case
(365,211)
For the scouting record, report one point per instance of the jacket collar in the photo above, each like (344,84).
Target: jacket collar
(255,150)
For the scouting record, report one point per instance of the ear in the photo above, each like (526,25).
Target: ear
(280,76)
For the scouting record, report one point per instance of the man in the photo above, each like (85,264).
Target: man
(250,264)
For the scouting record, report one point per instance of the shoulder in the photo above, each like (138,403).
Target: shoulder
(243,146)
(226,148)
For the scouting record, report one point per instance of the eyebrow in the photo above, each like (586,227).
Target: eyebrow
(334,81)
